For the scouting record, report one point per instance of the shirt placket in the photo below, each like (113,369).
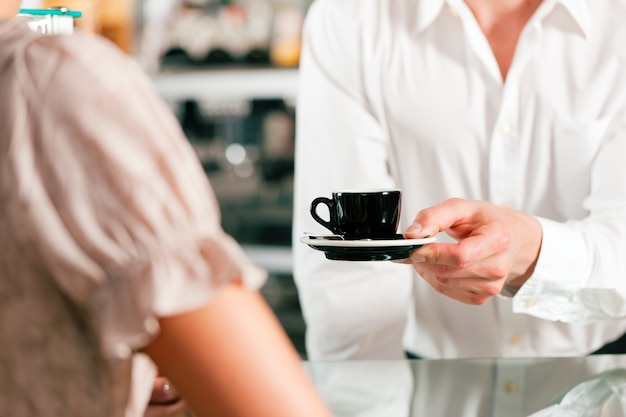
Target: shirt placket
(504,144)
(514,333)
(504,183)
(505,139)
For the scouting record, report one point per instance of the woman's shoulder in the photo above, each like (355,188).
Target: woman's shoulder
(69,63)
(83,50)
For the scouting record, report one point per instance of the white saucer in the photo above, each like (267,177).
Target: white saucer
(335,248)
(337,241)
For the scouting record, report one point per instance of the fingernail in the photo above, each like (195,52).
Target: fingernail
(401,261)
(169,391)
(413,229)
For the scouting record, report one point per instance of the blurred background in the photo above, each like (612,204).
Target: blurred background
(228,69)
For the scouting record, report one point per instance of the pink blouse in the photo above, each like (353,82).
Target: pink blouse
(107,222)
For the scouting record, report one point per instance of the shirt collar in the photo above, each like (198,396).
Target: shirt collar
(429,10)
(579,11)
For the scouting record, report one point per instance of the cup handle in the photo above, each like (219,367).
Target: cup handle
(330,225)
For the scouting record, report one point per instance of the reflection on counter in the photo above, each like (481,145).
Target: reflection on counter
(591,386)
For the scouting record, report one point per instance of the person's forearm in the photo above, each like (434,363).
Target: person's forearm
(232,358)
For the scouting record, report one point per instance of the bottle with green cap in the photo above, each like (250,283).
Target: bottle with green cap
(56,20)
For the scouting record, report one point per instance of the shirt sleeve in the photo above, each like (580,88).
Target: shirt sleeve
(581,271)
(352,309)
(113,201)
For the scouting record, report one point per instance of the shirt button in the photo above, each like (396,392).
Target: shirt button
(505,129)
(530,303)
(515,339)
(510,387)
(454,11)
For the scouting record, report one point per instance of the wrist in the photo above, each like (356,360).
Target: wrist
(527,257)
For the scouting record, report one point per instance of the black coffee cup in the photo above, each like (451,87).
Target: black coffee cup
(361,214)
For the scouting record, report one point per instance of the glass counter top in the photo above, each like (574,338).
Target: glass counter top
(541,387)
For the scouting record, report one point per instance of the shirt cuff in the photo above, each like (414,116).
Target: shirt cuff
(561,270)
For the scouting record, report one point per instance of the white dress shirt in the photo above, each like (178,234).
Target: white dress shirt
(407,94)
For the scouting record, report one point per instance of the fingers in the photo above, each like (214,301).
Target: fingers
(475,268)
(445,216)
(163,392)
(495,245)
(487,242)
(469,290)
(165,400)
(471,271)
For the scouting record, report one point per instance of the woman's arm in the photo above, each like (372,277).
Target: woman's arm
(232,358)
